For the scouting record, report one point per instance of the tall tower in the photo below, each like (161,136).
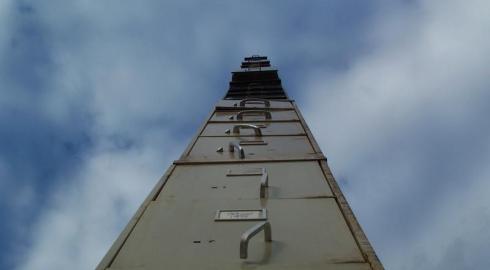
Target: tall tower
(251,191)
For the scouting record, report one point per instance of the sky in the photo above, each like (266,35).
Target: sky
(97,98)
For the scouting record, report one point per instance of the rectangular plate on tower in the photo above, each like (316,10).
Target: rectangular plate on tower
(245,172)
(257,142)
(239,215)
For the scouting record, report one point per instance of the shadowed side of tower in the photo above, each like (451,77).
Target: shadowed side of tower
(251,191)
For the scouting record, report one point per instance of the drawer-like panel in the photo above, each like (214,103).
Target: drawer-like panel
(247,116)
(267,148)
(306,234)
(253,103)
(243,129)
(301,179)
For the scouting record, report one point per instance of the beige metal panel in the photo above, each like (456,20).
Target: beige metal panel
(230,116)
(302,179)
(272,148)
(306,234)
(254,104)
(267,129)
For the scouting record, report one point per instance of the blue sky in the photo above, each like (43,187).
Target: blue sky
(98,97)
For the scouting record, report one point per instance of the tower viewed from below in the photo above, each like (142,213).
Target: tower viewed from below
(251,191)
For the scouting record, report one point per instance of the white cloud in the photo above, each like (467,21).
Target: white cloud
(401,127)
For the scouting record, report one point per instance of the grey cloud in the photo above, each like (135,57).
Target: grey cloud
(405,128)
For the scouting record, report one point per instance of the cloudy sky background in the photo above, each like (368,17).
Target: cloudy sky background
(98,97)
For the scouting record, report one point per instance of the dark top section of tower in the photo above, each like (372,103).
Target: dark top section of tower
(256,79)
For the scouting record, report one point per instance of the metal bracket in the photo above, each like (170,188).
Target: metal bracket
(233,145)
(266,102)
(246,236)
(258,132)
(264,183)
(267,114)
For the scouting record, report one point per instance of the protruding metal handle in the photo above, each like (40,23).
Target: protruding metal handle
(258,132)
(240,114)
(246,236)
(264,183)
(234,145)
(255,100)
